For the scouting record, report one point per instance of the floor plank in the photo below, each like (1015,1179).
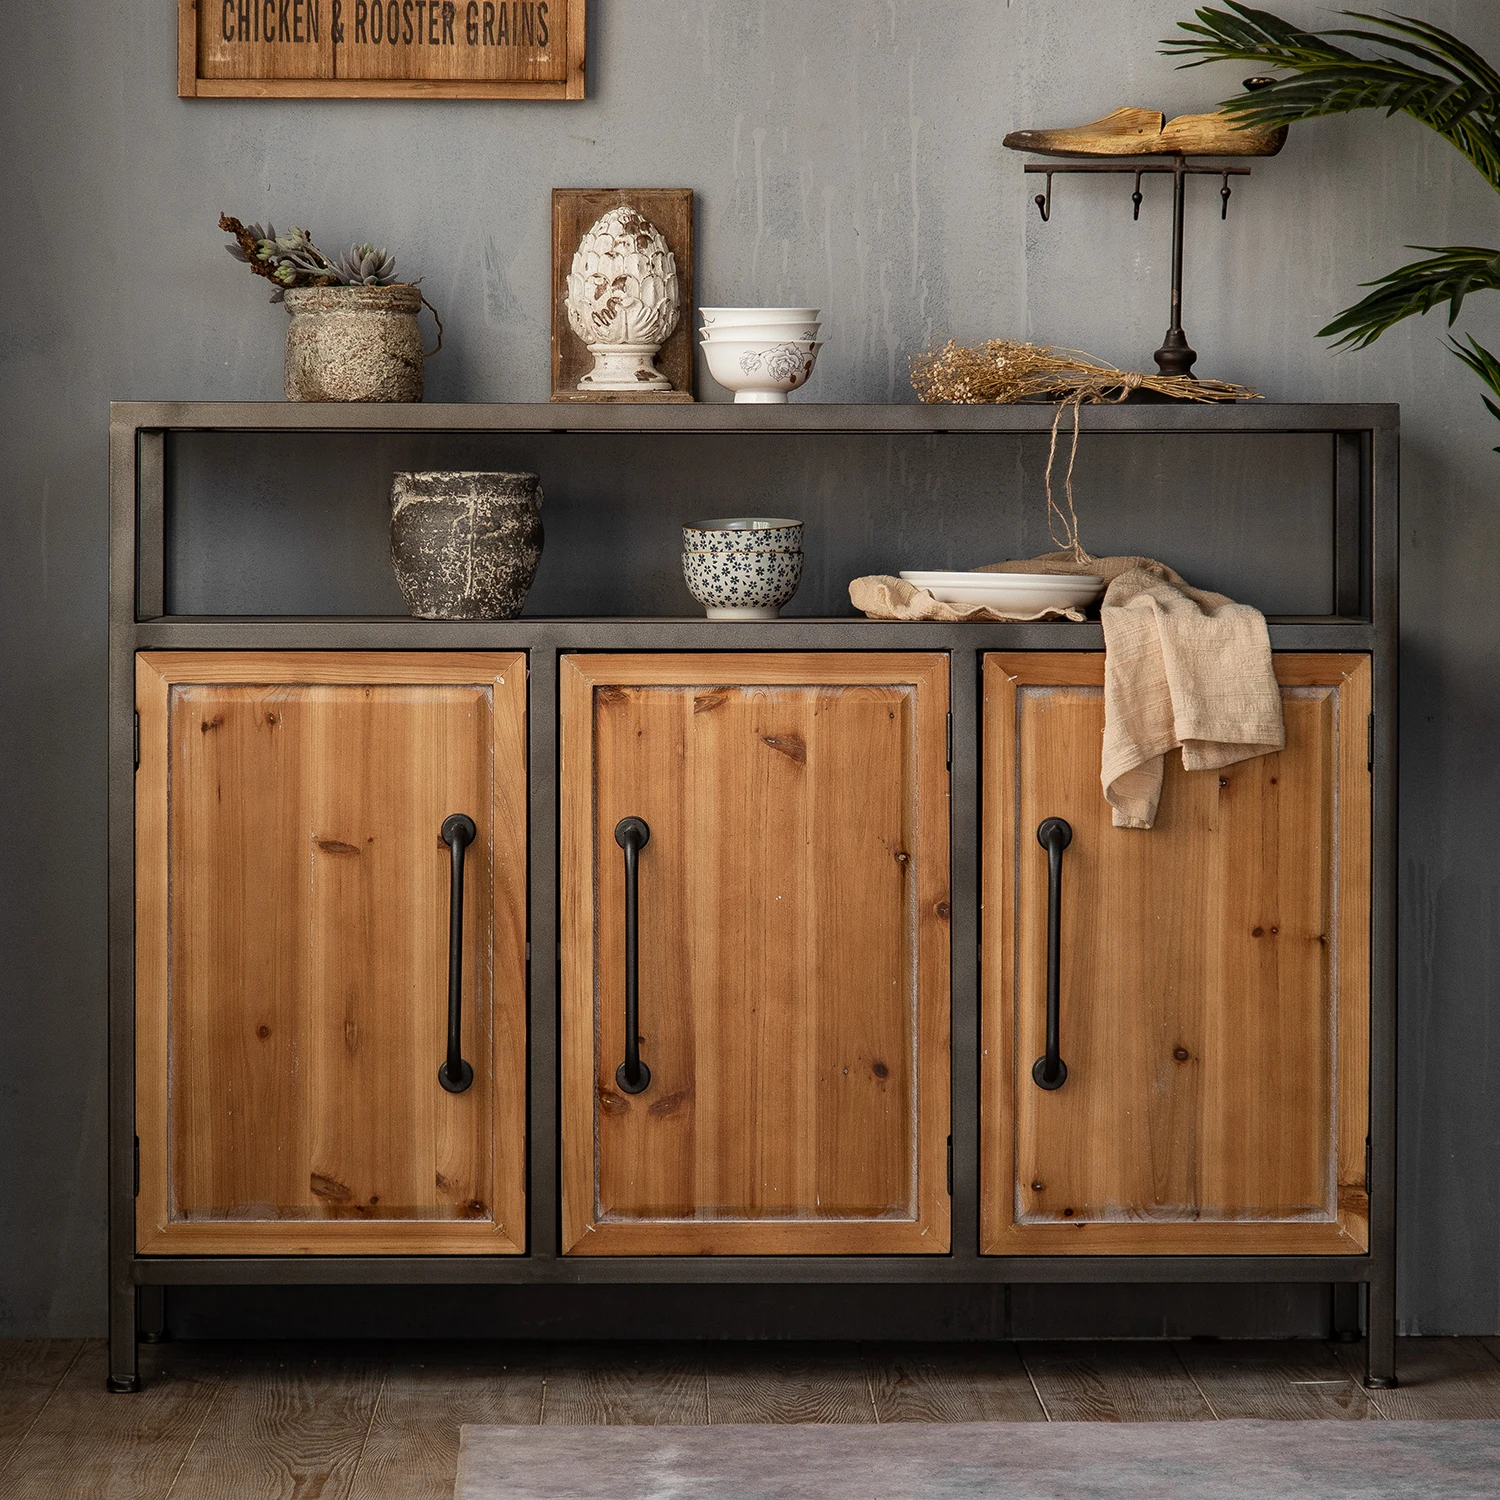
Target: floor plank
(30,1371)
(285,1425)
(87,1444)
(944,1383)
(1441,1380)
(787,1383)
(1276,1380)
(625,1384)
(1124,1382)
(411,1452)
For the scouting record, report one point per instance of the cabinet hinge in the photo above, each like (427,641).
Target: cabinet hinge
(1367,1163)
(950,742)
(137,1166)
(138,741)
(1370,744)
(950,1166)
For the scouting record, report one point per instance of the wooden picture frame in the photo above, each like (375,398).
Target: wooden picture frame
(330,49)
(574,212)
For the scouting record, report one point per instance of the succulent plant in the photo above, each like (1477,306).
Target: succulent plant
(364,265)
(292,260)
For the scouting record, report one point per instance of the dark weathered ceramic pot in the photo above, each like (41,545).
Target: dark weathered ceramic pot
(465,546)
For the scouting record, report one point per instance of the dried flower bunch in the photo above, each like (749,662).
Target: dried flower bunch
(1005,370)
(293,260)
(1002,371)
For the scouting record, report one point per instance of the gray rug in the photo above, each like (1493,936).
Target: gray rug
(985,1460)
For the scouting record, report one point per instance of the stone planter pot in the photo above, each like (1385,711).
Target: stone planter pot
(353,343)
(465,546)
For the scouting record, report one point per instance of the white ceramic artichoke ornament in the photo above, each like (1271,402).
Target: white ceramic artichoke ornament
(623,301)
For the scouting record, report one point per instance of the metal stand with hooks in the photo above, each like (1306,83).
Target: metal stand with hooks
(1176,355)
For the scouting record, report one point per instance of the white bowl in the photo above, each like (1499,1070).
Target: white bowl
(725,317)
(1011,593)
(804,332)
(762,370)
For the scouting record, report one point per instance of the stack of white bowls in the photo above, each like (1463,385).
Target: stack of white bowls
(760,353)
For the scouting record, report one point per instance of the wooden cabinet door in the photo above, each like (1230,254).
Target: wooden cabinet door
(793,954)
(1214,995)
(292,936)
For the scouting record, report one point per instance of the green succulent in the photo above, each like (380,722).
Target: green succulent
(364,265)
(292,260)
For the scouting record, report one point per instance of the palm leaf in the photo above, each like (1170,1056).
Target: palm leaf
(1484,365)
(1448,277)
(1424,72)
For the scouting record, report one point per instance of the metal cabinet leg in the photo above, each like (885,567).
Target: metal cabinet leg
(124,1371)
(1344,1316)
(1380,1350)
(152,1313)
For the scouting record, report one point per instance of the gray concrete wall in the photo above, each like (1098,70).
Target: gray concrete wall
(846,154)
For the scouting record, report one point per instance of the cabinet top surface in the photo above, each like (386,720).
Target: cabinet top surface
(721,416)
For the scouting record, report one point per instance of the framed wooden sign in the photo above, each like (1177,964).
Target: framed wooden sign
(380,49)
(574,212)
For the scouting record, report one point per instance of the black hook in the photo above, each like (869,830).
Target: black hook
(1044,202)
(1135,197)
(1224,198)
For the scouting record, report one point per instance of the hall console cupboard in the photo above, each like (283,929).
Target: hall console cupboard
(616,947)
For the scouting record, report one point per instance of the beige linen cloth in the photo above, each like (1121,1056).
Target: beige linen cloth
(1182,668)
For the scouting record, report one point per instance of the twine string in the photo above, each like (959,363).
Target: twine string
(1068,541)
(1007,370)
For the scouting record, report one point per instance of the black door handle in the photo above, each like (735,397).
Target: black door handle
(454,1073)
(632,835)
(1054,835)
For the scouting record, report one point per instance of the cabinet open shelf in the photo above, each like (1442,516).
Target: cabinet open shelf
(257,528)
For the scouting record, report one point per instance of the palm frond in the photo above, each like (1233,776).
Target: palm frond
(1447,277)
(1484,365)
(1424,72)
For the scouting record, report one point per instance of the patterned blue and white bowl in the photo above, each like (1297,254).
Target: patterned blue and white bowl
(742,568)
(743,534)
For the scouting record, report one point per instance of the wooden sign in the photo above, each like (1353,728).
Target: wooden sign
(574,212)
(380,49)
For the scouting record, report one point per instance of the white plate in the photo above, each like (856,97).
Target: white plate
(1011,593)
(1022,580)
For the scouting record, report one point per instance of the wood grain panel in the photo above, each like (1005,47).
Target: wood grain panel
(781,1385)
(455,49)
(519,40)
(290,1029)
(30,1371)
(948,1383)
(1442,1379)
(574,212)
(591,1385)
(264,38)
(86,1444)
(793,954)
(1215,979)
(286,1424)
(1283,1380)
(1125,1382)
(411,1449)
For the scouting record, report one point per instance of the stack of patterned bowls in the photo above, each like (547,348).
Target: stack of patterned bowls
(742,567)
(760,353)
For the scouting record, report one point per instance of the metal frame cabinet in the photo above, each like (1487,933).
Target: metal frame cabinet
(1364,445)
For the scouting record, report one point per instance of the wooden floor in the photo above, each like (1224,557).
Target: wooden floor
(380,1422)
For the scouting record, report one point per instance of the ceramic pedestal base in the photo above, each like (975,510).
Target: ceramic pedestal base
(770,398)
(624,367)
